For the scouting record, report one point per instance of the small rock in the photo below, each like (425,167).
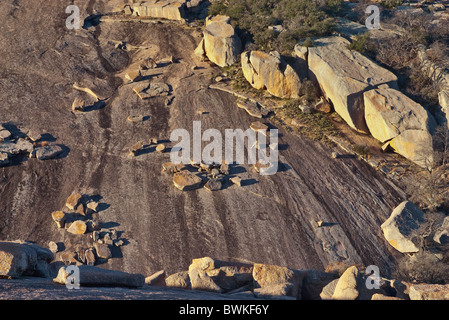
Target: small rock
(148,63)
(335,155)
(213,185)
(53,246)
(90,257)
(259,127)
(160,148)
(48,152)
(323,106)
(157,279)
(136,118)
(154,141)
(135,149)
(103,251)
(77,227)
(237,181)
(119,243)
(186,180)
(73,200)
(59,217)
(133,75)
(78,105)
(224,168)
(33,136)
(95,236)
(4,134)
(93,205)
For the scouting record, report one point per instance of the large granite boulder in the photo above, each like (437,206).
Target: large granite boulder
(352,285)
(220,43)
(94,276)
(19,258)
(344,75)
(271,72)
(160,9)
(429,292)
(218,276)
(390,114)
(402,225)
(290,281)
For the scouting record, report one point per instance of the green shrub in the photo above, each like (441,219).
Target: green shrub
(359,43)
(300,19)
(308,43)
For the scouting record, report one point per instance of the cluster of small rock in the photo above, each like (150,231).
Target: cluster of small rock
(28,144)
(262,281)
(77,219)
(137,148)
(197,175)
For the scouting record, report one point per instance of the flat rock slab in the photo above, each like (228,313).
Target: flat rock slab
(94,276)
(48,152)
(186,181)
(251,107)
(344,75)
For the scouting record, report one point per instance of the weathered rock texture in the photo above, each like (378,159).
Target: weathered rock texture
(94,276)
(220,43)
(269,71)
(218,276)
(18,258)
(160,9)
(344,75)
(390,115)
(400,227)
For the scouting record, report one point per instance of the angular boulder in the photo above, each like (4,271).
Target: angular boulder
(48,152)
(271,275)
(389,114)
(77,227)
(415,145)
(401,226)
(160,9)
(209,274)
(19,258)
(178,280)
(157,279)
(344,75)
(269,71)
(94,276)
(221,44)
(186,181)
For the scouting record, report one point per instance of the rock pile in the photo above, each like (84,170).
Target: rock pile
(146,89)
(366,96)
(77,219)
(262,281)
(197,175)
(26,144)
